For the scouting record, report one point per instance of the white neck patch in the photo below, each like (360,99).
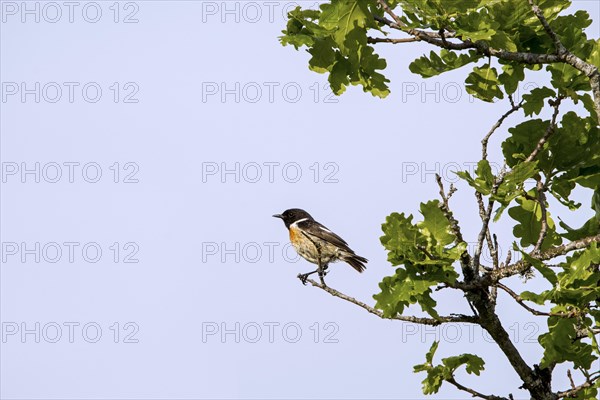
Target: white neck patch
(300,220)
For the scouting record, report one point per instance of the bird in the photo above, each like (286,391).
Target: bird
(317,244)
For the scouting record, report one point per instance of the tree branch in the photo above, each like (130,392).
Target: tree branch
(572,392)
(465,258)
(491,323)
(521,302)
(492,245)
(486,219)
(560,49)
(413,319)
(391,40)
(474,392)
(519,267)
(570,379)
(484,141)
(590,70)
(399,24)
(549,131)
(541,199)
(494,289)
(483,48)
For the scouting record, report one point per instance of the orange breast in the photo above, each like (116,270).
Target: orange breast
(293,235)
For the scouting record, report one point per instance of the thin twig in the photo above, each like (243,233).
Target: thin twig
(541,199)
(485,140)
(392,40)
(571,379)
(508,259)
(482,215)
(483,48)
(451,191)
(585,332)
(495,261)
(486,218)
(494,289)
(443,36)
(474,392)
(390,12)
(465,258)
(479,198)
(521,302)
(549,131)
(572,392)
(445,207)
(426,252)
(560,49)
(494,276)
(522,266)
(405,318)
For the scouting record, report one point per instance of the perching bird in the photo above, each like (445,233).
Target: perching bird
(317,244)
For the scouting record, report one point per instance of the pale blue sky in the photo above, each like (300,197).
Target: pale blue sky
(188,76)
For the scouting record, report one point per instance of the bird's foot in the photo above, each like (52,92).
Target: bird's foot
(303,278)
(321,271)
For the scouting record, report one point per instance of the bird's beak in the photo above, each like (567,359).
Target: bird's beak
(278,216)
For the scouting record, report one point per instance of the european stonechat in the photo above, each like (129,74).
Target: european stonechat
(317,244)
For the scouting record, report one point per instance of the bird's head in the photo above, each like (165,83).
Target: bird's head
(292,215)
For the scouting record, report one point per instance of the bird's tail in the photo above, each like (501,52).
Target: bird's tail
(357,262)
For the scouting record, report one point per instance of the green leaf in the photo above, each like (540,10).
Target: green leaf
(546,271)
(431,352)
(537,298)
(588,103)
(590,228)
(473,363)
(446,61)
(338,78)
(484,177)
(561,189)
(436,224)
(512,185)
(534,101)
(510,188)
(511,76)
(427,252)
(343,16)
(323,55)
(475,26)
(502,41)
(568,80)
(436,374)
(483,83)
(528,214)
(300,30)
(571,30)
(594,56)
(403,289)
(523,140)
(560,344)
(401,238)
(336,37)
(579,267)
(434,379)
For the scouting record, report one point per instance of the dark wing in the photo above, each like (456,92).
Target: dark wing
(316,229)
